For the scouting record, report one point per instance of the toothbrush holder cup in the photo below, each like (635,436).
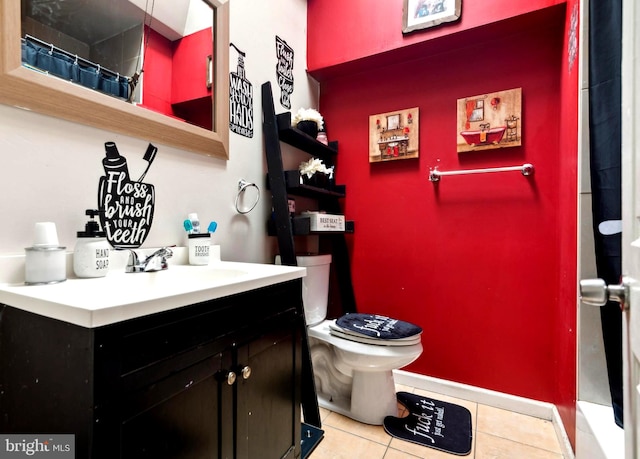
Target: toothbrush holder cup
(199,244)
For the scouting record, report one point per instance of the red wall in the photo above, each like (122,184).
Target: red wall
(189,93)
(157,77)
(344,32)
(566,323)
(486,264)
(174,80)
(190,64)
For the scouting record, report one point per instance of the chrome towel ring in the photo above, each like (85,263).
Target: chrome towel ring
(242,187)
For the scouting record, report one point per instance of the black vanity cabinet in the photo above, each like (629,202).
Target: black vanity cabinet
(264,395)
(218,379)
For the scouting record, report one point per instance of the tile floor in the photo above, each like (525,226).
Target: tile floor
(497,434)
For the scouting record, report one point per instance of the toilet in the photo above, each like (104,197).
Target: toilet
(353,374)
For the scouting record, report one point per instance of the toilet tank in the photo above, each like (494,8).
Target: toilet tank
(315,286)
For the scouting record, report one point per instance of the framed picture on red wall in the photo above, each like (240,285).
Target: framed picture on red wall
(422,14)
(394,135)
(488,121)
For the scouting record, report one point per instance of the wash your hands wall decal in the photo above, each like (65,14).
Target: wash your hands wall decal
(241,89)
(240,99)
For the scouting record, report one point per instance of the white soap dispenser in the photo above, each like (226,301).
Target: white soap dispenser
(91,254)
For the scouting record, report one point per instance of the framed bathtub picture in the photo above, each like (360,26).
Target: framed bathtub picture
(488,121)
(422,14)
(394,135)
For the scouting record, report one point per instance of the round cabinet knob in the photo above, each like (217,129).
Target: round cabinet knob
(231,378)
(246,372)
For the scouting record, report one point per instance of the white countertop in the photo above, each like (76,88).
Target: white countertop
(121,296)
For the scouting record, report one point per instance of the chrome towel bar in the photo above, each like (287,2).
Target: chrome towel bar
(435,174)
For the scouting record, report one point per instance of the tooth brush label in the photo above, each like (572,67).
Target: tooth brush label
(199,249)
(127,208)
(284,71)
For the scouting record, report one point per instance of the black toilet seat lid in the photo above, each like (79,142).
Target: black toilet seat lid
(376,326)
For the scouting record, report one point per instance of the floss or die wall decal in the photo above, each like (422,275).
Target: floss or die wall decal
(284,71)
(394,135)
(489,121)
(240,99)
(422,14)
(126,207)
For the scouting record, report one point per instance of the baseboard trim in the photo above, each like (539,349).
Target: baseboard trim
(529,407)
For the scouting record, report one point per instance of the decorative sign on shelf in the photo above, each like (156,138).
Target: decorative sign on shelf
(240,99)
(489,121)
(126,206)
(284,71)
(394,135)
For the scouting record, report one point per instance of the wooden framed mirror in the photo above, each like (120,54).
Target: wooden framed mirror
(32,90)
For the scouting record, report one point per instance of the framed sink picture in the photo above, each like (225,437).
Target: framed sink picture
(394,135)
(489,121)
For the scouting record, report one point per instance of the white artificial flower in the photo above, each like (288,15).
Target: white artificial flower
(329,172)
(308,114)
(314,165)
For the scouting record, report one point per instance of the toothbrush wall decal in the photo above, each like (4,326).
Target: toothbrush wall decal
(126,206)
(240,99)
(284,71)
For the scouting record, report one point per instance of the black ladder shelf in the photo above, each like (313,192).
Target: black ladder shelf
(277,128)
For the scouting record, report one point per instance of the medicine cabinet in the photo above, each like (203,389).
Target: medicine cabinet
(32,90)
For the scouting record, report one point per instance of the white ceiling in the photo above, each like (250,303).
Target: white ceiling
(92,21)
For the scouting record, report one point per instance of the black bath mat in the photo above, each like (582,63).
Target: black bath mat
(433,423)
(311,436)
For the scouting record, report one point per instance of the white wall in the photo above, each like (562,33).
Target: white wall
(50,168)
(593,383)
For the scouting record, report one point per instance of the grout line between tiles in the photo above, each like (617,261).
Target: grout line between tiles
(559,454)
(388,449)
(360,436)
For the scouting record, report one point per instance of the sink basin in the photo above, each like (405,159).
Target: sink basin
(127,288)
(121,296)
(205,274)
(177,277)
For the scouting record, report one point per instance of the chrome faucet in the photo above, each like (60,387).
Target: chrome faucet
(157,261)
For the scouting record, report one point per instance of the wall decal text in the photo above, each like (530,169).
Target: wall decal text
(284,71)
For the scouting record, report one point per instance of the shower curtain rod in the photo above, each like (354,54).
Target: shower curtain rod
(525,169)
(87,62)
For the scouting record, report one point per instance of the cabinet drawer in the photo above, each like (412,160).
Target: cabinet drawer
(144,349)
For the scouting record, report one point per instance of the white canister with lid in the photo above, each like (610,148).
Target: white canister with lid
(46,261)
(45,265)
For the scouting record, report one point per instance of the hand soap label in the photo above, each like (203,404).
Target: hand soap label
(102,260)
(91,258)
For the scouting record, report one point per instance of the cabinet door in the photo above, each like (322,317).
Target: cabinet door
(268,399)
(176,417)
